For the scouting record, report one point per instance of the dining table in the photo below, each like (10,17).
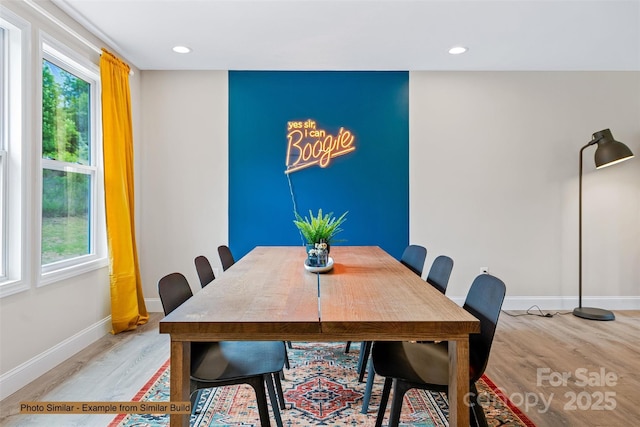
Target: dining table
(367,295)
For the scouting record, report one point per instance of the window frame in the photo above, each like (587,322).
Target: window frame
(13,146)
(60,55)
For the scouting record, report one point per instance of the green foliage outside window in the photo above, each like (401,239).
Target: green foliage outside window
(65,194)
(65,116)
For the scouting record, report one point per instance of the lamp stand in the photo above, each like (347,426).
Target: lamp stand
(592,313)
(580,311)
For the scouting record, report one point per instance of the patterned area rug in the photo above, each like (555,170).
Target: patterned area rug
(321,388)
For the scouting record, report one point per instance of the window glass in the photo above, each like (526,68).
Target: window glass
(65,115)
(14,38)
(3,154)
(66,198)
(68,166)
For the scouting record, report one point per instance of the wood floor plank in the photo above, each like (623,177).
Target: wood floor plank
(116,367)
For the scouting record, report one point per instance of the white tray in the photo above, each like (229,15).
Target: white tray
(324,269)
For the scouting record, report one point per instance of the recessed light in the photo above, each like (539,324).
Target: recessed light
(457,50)
(181,49)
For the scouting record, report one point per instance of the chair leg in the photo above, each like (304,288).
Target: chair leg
(347,347)
(261,398)
(286,356)
(371,373)
(272,397)
(279,392)
(478,417)
(365,350)
(399,390)
(383,401)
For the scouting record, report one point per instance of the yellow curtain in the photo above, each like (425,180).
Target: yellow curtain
(127,302)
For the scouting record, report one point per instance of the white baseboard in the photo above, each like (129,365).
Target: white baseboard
(565,303)
(154,305)
(21,375)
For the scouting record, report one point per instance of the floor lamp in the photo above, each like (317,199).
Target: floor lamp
(609,152)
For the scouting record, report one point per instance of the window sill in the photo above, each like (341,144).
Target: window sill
(11,287)
(72,271)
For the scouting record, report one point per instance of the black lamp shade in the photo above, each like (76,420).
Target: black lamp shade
(609,150)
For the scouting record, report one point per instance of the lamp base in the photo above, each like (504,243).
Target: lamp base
(593,313)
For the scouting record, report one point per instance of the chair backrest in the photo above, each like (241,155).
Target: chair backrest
(226,258)
(205,272)
(440,272)
(484,301)
(174,289)
(413,257)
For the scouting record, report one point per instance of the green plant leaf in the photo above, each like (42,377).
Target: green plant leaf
(320,227)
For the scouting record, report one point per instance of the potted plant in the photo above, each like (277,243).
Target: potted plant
(320,228)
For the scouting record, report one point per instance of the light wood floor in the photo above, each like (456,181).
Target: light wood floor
(112,369)
(529,354)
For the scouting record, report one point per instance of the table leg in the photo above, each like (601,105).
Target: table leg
(459,382)
(179,379)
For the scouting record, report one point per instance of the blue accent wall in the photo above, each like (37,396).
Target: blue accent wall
(372,182)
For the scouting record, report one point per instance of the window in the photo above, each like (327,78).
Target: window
(72,221)
(3,152)
(52,223)
(14,33)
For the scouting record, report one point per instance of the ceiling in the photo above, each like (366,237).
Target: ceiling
(367,34)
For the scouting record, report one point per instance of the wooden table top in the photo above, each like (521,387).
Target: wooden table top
(266,292)
(371,291)
(367,295)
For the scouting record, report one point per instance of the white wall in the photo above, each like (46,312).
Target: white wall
(183,173)
(494,164)
(493,172)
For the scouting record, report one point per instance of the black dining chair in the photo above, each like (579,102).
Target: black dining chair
(425,366)
(217,364)
(226,257)
(440,272)
(204,270)
(438,277)
(413,258)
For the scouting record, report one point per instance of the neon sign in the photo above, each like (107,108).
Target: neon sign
(308,146)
